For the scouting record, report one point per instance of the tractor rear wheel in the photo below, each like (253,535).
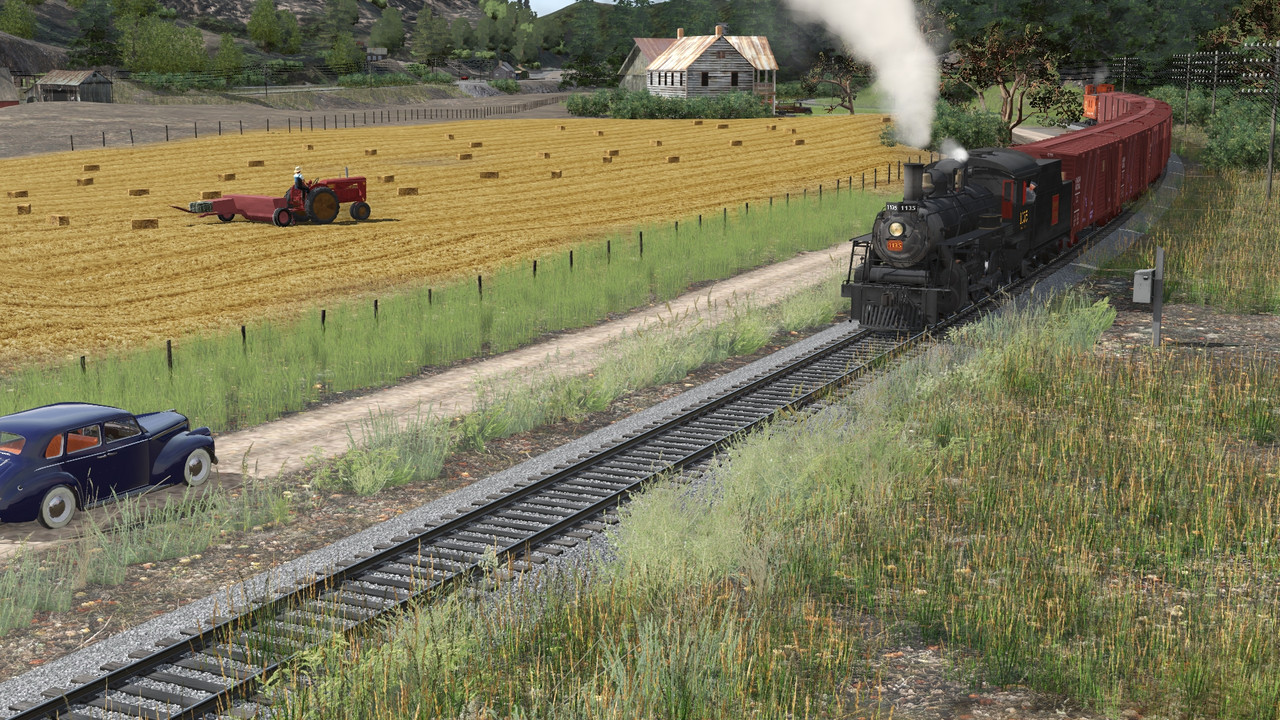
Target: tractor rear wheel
(282,217)
(322,205)
(360,211)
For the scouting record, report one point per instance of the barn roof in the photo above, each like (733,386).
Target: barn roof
(653,47)
(8,91)
(683,51)
(72,77)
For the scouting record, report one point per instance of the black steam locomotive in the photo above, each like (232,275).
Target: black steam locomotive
(963,229)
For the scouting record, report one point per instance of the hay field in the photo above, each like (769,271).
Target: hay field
(95,284)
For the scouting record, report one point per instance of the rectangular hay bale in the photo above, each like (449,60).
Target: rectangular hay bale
(146,223)
(697,122)
(371,151)
(227,176)
(656,143)
(735,143)
(544,156)
(673,159)
(84,181)
(489,175)
(60,220)
(90,168)
(17,193)
(722,126)
(464,156)
(210,194)
(311,147)
(406,191)
(561,127)
(139,192)
(799,141)
(449,136)
(387,178)
(24,209)
(770,127)
(257,163)
(557,174)
(607,159)
(477,144)
(599,133)
(611,153)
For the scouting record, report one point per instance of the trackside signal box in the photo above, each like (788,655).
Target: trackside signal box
(1142,281)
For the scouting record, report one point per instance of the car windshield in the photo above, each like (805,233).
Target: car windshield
(11,443)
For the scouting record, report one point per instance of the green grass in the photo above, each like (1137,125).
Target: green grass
(281,367)
(1109,541)
(1219,238)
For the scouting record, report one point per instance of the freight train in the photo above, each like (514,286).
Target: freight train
(970,224)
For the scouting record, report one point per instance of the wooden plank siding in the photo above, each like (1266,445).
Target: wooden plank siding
(719,73)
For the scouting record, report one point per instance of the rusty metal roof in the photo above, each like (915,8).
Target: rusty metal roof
(70,77)
(685,50)
(653,47)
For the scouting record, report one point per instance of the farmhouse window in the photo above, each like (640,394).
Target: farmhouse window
(706,79)
(650,78)
(733,79)
(719,54)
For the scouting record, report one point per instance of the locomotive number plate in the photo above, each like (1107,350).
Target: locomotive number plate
(902,207)
(894,245)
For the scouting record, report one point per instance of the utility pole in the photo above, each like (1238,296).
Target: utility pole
(1268,82)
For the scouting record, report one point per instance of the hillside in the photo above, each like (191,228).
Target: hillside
(29,57)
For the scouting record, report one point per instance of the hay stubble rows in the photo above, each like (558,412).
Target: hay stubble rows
(97,284)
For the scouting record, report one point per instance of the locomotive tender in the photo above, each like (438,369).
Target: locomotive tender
(968,225)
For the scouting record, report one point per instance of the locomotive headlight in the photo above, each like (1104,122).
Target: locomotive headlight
(896,229)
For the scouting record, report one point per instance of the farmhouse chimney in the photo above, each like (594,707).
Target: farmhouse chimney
(679,33)
(720,30)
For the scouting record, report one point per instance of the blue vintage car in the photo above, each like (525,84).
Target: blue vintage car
(57,458)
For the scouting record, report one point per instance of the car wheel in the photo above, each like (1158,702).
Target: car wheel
(360,211)
(197,467)
(57,507)
(322,205)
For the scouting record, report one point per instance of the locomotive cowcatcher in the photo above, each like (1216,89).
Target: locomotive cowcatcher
(965,227)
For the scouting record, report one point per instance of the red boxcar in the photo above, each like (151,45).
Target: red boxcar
(1114,161)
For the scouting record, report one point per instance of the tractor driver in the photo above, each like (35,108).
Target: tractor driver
(298,182)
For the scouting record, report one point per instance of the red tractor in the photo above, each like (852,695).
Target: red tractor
(319,204)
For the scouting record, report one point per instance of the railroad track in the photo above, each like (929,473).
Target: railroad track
(215,670)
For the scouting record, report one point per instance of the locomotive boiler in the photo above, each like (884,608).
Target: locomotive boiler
(965,227)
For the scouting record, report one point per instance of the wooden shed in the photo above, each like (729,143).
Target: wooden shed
(72,86)
(8,90)
(707,65)
(645,51)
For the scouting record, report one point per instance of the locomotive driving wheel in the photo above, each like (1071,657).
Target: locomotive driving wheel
(322,205)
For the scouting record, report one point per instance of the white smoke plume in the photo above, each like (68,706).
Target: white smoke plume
(1100,75)
(954,150)
(885,34)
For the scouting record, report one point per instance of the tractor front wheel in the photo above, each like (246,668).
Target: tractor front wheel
(226,218)
(360,211)
(322,205)
(282,217)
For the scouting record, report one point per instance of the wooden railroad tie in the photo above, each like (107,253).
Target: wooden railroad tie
(90,168)
(257,163)
(139,192)
(17,193)
(146,223)
(210,194)
(60,220)
(406,191)
(489,175)
(24,209)
(84,181)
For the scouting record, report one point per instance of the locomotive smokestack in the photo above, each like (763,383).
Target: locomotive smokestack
(912,182)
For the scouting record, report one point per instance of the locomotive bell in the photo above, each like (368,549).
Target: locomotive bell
(912,182)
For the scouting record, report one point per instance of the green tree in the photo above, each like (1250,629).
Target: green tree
(230,58)
(1016,60)
(463,34)
(17,18)
(290,33)
(1252,21)
(388,31)
(154,44)
(431,38)
(484,33)
(339,16)
(264,25)
(838,76)
(344,55)
(95,42)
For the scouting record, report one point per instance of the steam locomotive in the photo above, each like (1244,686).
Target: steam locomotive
(970,224)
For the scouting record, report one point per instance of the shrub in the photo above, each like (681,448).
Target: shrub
(178,82)
(971,128)
(640,105)
(791,91)
(429,75)
(1238,137)
(506,85)
(1197,109)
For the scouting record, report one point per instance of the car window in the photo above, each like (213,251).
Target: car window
(54,449)
(85,438)
(11,442)
(120,429)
